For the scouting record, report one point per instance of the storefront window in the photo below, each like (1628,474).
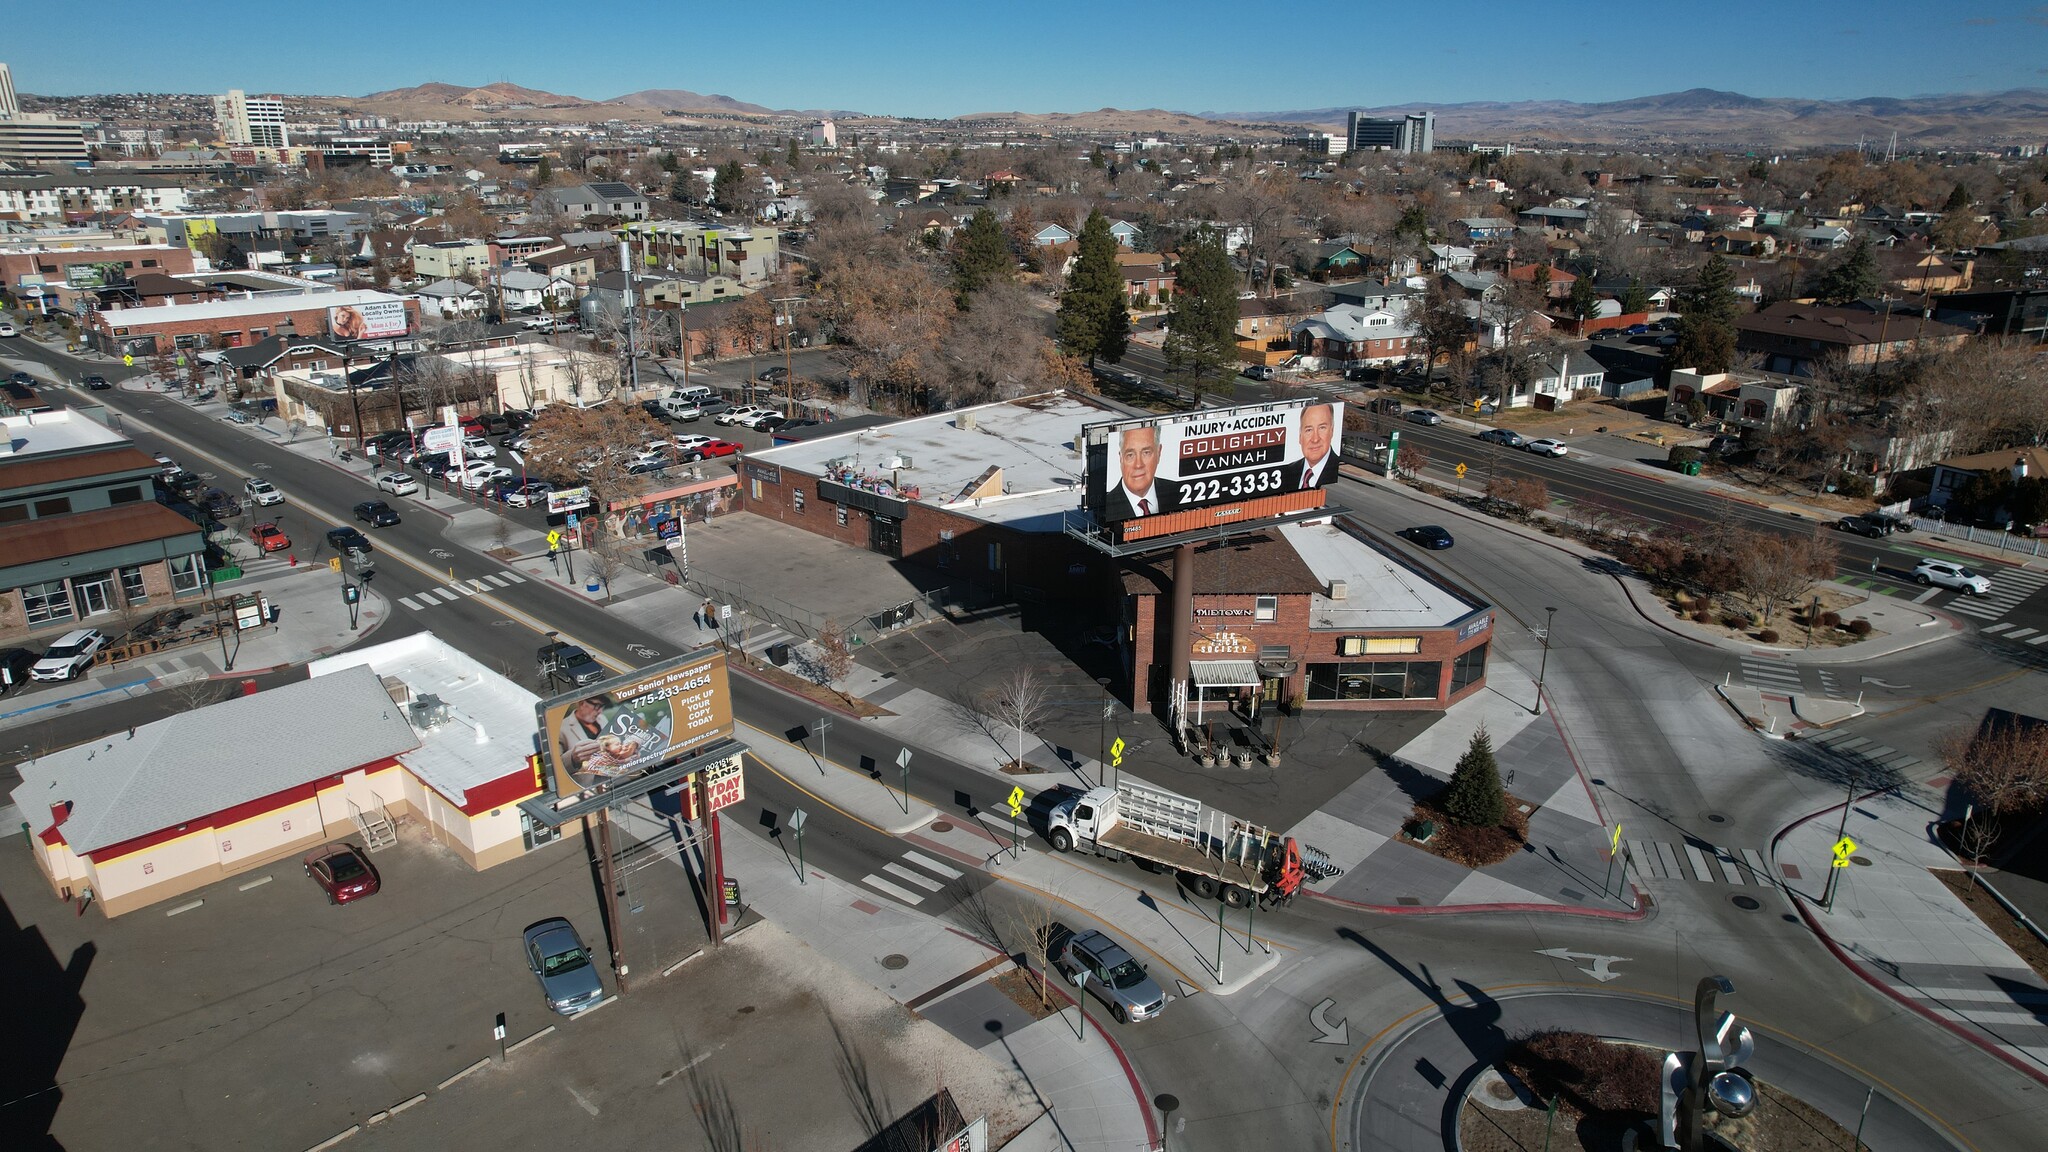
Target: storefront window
(186,575)
(132,588)
(43,603)
(1389,680)
(1468,669)
(1265,608)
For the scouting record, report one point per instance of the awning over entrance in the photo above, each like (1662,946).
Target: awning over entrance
(1224,674)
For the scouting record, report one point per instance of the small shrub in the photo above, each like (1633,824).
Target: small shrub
(1859,627)
(1702,617)
(1734,622)
(1831,619)
(1768,636)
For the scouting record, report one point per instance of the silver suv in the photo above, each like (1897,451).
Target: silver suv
(1113,974)
(1950,574)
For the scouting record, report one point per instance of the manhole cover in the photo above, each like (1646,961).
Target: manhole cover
(1860,861)
(1716,818)
(895,960)
(1746,903)
(941,826)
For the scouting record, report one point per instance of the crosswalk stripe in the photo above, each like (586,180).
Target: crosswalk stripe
(1698,860)
(1646,858)
(2019,632)
(1924,597)
(1729,871)
(1670,857)
(930,865)
(883,885)
(444,594)
(465,589)
(513,577)
(494,581)
(1995,629)
(922,881)
(1757,867)
(1854,742)
(2041,639)
(408,602)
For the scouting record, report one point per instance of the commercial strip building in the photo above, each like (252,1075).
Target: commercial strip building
(994,496)
(81,533)
(60,195)
(353,314)
(411,729)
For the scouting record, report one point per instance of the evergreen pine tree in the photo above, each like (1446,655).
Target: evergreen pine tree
(1094,320)
(1475,796)
(543,172)
(1706,320)
(1634,299)
(1201,329)
(981,256)
(1585,301)
(726,185)
(1958,199)
(1413,224)
(1852,279)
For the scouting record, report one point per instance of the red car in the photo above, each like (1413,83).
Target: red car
(719,448)
(342,872)
(270,537)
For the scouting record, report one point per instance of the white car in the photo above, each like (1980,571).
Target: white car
(529,494)
(478,448)
(398,484)
(70,656)
(7,329)
(480,475)
(1950,574)
(262,493)
(1545,447)
(687,444)
(648,460)
(739,415)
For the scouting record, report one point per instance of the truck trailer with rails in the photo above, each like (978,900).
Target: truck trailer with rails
(1212,855)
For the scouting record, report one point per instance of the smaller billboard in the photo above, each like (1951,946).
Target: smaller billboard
(441,438)
(628,726)
(363,321)
(568,500)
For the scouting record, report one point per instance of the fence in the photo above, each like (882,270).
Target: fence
(1998,538)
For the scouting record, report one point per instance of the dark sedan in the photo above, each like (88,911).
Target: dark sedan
(349,542)
(376,513)
(1430,536)
(97,383)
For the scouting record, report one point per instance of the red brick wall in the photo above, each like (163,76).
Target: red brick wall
(170,260)
(308,320)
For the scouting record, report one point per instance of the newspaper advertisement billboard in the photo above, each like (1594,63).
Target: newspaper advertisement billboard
(568,500)
(618,729)
(1216,456)
(370,319)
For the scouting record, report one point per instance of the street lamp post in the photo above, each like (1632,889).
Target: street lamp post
(1543,668)
(1102,730)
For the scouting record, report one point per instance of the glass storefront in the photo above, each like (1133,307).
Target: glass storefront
(1382,680)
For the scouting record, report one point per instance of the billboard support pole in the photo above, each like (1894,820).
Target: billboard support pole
(611,894)
(715,889)
(1180,640)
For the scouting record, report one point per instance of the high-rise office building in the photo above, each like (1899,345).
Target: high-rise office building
(250,121)
(9,106)
(1415,132)
(34,140)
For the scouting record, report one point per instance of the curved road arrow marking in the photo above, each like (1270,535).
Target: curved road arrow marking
(1338,1033)
(1882,684)
(1599,971)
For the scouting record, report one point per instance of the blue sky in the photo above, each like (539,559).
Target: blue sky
(949,59)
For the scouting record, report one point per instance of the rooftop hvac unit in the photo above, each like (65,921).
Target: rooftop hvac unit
(964,421)
(1340,590)
(428,712)
(898,461)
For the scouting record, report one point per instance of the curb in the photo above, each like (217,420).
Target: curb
(1642,913)
(1804,905)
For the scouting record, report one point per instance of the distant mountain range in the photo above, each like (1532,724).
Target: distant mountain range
(1698,116)
(1724,119)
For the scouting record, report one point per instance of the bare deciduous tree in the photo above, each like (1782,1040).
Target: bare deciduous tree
(1021,701)
(1773,572)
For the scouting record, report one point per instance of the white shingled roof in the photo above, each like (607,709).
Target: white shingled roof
(205,761)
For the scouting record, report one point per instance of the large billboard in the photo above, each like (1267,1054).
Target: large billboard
(364,321)
(1216,456)
(618,729)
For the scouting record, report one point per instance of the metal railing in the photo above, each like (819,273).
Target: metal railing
(1998,538)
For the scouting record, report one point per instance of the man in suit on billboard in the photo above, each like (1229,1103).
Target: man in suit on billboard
(1318,464)
(1135,495)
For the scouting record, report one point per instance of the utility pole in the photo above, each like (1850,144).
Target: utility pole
(1827,898)
(632,372)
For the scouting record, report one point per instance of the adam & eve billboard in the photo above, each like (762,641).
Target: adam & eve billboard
(1216,456)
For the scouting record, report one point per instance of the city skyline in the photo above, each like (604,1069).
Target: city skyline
(1191,58)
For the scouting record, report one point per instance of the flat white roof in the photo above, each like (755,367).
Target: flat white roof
(490,730)
(58,430)
(1380,593)
(315,296)
(1031,439)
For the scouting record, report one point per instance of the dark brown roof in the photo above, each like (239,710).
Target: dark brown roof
(37,471)
(558,259)
(1261,564)
(60,536)
(1845,326)
(157,284)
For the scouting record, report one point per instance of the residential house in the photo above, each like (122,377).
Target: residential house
(1127,234)
(657,290)
(1268,322)
(1573,219)
(934,222)
(523,291)
(1374,295)
(1571,375)
(1825,238)
(1346,334)
(509,248)
(1911,266)
(751,256)
(1559,282)
(1147,283)
(450,259)
(1743,242)
(2017,463)
(603,198)
(1451,258)
(1049,235)
(451,300)
(1337,258)
(1800,339)
(1479,229)
(577,266)
(86,539)
(1754,401)
(1472,285)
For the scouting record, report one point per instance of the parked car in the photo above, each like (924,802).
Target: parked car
(1258,371)
(655,409)
(691,447)
(645,467)
(1861,527)
(165,465)
(1503,437)
(478,476)
(269,537)
(1430,536)
(720,448)
(1636,329)
(16,667)
(763,421)
(184,485)
(343,872)
(1113,975)
(1950,574)
(96,383)
(376,513)
(1423,416)
(495,424)
(7,329)
(262,493)
(528,493)
(568,979)
(349,541)
(1546,447)
(436,465)
(219,504)
(478,448)
(733,416)
(713,406)
(1386,405)
(70,656)
(398,484)
(776,375)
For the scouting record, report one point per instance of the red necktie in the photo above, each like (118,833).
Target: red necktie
(1145,507)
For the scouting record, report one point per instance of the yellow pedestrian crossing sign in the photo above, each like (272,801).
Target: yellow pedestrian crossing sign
(1017,801)
(1461,471)
(554,540)
(127,360)
(1844,848)
(1116,753)
(334,563)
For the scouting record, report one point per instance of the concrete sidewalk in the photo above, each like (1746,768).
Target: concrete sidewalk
(1902,930)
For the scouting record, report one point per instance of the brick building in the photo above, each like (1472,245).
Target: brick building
(233,323)
(29,273)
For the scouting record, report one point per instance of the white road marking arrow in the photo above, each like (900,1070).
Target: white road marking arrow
(1882,684)
(1339,1033)
(1599,971)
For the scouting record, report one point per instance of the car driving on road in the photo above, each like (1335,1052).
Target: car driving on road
(348,541)
(376,513)
(1113,975)
(1429,536)
(262,493)
(1503,437)
(1546,447)
(1424,416)
(1950,574)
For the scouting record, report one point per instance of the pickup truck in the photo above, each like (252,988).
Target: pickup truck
(566,662)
